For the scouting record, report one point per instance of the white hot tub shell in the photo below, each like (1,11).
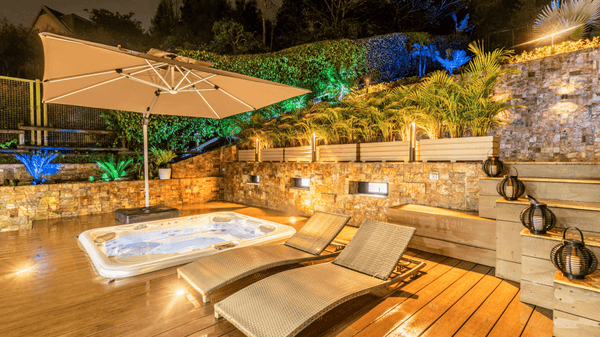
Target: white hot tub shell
(129,250)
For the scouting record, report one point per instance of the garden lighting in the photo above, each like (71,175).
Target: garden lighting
(573,258)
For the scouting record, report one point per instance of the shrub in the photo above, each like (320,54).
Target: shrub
(38,165)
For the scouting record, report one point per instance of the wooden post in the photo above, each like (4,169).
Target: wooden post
(45,123)
(38,110)
(32,110)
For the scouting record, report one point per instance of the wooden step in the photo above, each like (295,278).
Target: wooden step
(576,304)
(560,170)
(578,190)
(452,233)
(537,271)
(584,215)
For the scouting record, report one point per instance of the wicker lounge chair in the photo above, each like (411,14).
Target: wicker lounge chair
(285,303)
(212,272)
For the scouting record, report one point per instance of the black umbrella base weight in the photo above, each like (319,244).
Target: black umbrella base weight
(143,214)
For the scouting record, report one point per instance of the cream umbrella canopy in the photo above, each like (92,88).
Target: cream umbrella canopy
(83,73)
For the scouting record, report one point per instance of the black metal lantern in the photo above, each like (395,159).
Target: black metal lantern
(537,217)
(573,258)
(510,188)
(493,166)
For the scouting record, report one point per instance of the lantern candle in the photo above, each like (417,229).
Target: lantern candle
(574,263)
(508,190)
(538,222)
(494,170)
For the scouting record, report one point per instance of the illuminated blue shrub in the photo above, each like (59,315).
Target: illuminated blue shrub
(39,165)
(387,55)
(456,59)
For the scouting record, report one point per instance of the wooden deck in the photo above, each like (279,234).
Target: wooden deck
(49,288)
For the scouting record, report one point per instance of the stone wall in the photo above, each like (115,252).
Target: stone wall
(20,205)
(456,188)
(205,165)
(70,172)
(561,117)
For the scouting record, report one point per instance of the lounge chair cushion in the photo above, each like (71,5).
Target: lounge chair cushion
(285,303)
(318,232)
(371,249)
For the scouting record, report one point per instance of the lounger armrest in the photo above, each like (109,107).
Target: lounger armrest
(337,247)
(409,273)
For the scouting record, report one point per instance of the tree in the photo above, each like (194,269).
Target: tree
(574,18)
(246,12)
(199,16)
(230,38)
(20,52)
(302,21)
(165,19)
(117,29)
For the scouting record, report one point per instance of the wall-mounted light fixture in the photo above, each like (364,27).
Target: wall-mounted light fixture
(564,97)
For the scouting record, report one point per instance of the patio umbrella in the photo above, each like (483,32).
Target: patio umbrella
(84,73)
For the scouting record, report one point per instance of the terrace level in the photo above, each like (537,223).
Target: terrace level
(49,288)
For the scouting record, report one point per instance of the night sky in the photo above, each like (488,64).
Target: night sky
(23,12)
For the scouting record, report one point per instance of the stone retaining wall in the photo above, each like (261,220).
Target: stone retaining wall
(20,205)
(561,118)
(456,188)
(67,172)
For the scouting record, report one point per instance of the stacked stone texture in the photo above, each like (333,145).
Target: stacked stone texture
(560,120)
(68,172)
(456,188)
(21,205)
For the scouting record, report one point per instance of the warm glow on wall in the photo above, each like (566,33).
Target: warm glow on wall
(567,89)
(564,107)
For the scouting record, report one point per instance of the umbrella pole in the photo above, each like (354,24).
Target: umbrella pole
(145,132)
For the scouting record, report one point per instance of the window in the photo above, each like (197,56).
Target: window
(254,179)
(302,183)
(372,188)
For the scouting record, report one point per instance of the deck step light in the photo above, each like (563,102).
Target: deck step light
(538,218)
(510,188)
(493,166)
(573,258)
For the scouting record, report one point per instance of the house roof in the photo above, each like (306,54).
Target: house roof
(65,20)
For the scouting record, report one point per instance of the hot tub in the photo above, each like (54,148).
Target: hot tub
(128,250)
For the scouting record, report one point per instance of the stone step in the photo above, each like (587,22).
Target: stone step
(577,301)
(560,170)
(452,233)
(578,190)
(537,271)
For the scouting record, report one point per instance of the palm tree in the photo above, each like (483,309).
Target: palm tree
(481,109)
(574,18)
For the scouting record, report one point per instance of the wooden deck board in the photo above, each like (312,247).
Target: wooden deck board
(63,296)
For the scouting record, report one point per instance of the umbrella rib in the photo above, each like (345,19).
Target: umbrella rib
(164,81)
(209,106)
(83,89)
(144,82)
(230,95)
(104,72)
(237,99)
(201,80)
(183,78)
